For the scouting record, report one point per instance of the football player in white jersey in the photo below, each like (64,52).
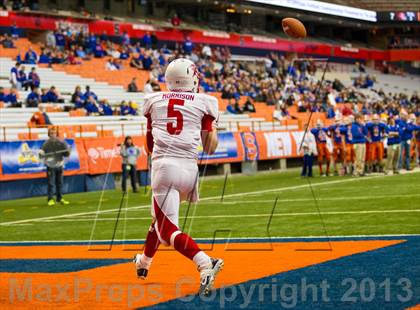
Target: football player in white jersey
(176,122)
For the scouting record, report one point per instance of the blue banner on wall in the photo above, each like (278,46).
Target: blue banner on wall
(19,157)
(227,148)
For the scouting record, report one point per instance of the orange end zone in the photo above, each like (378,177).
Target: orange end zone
(171,276)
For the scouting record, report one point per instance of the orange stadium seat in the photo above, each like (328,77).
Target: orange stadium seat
(28,136)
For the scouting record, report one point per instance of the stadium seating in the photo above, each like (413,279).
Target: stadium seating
(66,83)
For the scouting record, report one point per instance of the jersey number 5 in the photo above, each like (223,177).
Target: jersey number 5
(175,129)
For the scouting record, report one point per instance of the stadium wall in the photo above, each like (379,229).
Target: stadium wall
(94,160)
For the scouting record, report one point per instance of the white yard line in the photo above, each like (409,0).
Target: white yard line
(240,215)
(5,243)
(273,190)
(311,199)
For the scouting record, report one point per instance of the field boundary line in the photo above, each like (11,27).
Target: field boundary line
(218,239)
(243,215)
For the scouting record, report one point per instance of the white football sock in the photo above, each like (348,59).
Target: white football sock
(202,260)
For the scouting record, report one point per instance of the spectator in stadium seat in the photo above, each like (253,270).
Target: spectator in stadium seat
(77,94)
(60,40)
(44,96)
(23,82)
(50,39)
(44,57)
(3,96)
(6,41)
(136,62)
(132,87)
(125,54)
(104,36)
(126,109)
(281,113)
(147,40)
(233,108)
(82,54)
(89,93)
(154,40)
(188,46)
(78,103)
(40,118)
(91,43)
(99,52)
(147,61)
(125,39)
(415,98)
(54,96)
(369,82)
(14,73)
(330,112)
(148,87)
(176,22)
(248,106)
(12,98)
(34,98)
(14,32)
(110,65)
(31,57)
(129,153)
(92,108)
(105,108)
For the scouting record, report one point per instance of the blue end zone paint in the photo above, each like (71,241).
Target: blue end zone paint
(216,241)
(393,262)
(54,265)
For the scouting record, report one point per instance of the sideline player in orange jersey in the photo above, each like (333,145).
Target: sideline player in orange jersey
(177,121)
(350,155)
(368,155)
(376,131)
(320,134)
(336,133)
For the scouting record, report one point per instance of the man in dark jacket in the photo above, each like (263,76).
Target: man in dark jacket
(53,151)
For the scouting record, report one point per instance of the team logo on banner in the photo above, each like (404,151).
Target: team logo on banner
(250,145)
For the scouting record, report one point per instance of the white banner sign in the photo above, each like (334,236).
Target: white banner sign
(216,34)
(279,144)
(324,8)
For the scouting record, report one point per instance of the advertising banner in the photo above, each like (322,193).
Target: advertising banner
(22,157)
(103,155)
(229,149)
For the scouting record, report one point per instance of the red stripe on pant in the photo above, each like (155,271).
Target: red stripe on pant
(152,242)
(182,242)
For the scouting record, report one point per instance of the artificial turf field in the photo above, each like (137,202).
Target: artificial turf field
(267,228)
(373,205)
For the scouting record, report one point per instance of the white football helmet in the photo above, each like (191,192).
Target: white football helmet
(182,76)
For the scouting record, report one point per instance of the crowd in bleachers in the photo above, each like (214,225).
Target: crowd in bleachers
(277,81)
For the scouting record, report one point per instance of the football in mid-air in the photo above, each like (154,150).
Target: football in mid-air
(293,28)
